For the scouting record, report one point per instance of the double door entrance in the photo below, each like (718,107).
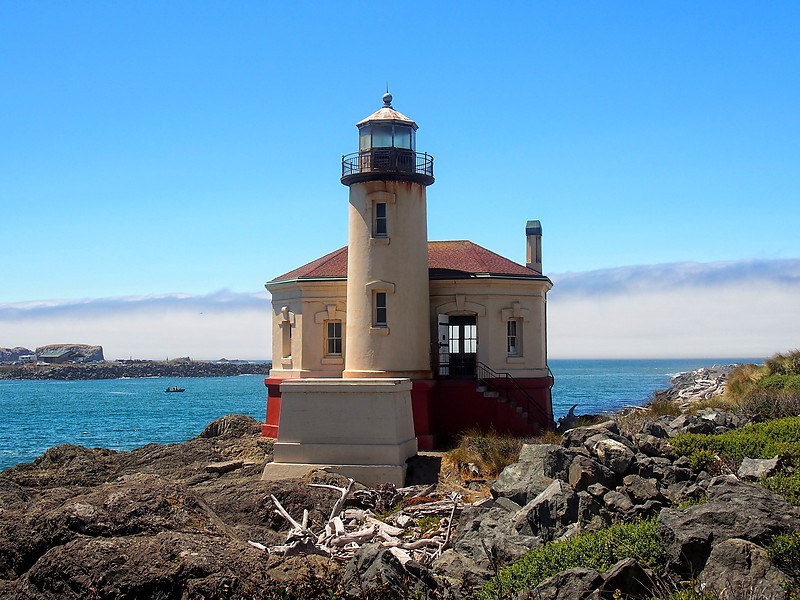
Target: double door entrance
(458,346)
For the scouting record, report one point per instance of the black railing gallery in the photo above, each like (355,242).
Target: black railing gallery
(387,160)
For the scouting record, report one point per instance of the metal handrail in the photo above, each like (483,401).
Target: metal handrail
(484,374)
(382,160)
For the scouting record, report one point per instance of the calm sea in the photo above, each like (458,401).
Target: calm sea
(126,413)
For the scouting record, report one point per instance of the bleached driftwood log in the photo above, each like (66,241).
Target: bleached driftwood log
(346,530)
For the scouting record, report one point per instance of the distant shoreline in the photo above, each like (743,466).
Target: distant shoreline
(137,369)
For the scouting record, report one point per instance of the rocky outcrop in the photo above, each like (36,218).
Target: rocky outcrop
(697,385)
(175,521)
(79,353)
(13,354)
(115,370)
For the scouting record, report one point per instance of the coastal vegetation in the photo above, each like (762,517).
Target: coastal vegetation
(768,397)
(643,504)
(599,550)
(478,455)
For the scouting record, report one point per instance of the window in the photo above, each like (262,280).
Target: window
(381,229)
(514,337)
(380,309)
(333,338)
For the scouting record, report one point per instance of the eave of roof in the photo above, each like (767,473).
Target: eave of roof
(458,259)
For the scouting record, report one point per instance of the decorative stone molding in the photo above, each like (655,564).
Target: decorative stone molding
(461,305)
(286,317)
(380,286)
(381,196)
(516,312)
(331,313)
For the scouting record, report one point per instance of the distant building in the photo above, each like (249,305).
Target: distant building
(465,324)
(61,355)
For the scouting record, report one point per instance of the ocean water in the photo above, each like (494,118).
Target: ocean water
(123,414)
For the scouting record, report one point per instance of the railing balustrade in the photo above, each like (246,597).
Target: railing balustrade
(387,160)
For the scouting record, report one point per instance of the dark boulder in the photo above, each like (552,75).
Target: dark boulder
(733,510)
(574,584)
(738,568)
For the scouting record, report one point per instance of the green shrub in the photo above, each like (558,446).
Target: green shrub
(784,484)
(771,391)
(702,459)
(599,550)
(784,551)
(766,404)
(786,364)
(780,437)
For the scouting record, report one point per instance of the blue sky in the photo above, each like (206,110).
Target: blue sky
(192,149)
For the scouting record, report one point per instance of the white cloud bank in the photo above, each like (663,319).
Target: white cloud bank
(716,310)
(219,325)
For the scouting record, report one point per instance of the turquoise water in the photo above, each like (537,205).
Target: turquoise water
(122,414)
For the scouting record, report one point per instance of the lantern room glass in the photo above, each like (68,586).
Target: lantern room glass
(377,135)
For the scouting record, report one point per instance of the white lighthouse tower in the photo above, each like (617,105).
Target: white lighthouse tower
(388,325)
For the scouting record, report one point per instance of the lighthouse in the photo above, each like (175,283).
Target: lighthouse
(394,342)
(388,328)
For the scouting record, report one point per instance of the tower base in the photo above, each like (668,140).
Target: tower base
(361,428)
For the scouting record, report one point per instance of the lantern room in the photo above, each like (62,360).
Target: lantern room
(387,149)
(387,128)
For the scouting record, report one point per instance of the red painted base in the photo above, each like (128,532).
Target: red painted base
(445,408)
(270,427)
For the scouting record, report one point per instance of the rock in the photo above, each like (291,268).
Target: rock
(659,428)
(617,502)
(573,584)
(756,468)
(734,510)
(558,460)
(575,438)
(737,568)
(374,570)
(152,522)
(640,489)
(535,452)
(224,466)
(597,490)
(584,472)
(611,453)
(652,445)
(480,530)
(521,482)
(628,578)
(460,574)
(590,512)
(549,513)
(690,424)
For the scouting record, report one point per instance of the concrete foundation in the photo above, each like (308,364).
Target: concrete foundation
(360,428)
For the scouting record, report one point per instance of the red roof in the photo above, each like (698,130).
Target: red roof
(450,259)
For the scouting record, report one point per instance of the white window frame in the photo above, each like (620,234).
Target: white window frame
(377,296)
(380,223)
(333,339)
(514,338)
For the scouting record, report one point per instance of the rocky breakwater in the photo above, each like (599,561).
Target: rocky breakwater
(695,386)
(116,370)
(195,520)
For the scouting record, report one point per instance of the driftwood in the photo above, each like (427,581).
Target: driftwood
(346,530)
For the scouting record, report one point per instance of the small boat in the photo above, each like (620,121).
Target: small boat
(175,388)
